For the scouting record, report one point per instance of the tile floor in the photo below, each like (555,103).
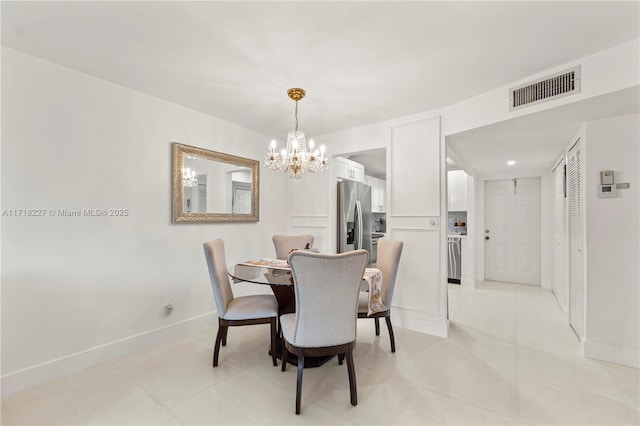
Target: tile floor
(510,359)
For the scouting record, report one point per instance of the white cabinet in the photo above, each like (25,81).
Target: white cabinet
(348,169)
(378,192)
(457,182)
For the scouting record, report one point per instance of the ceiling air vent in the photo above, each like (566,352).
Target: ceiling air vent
(556,86)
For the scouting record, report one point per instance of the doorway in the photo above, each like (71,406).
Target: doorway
(512,230)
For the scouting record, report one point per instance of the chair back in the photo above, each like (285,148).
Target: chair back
(326,289)
(284,243)
(389,252)
(217,263)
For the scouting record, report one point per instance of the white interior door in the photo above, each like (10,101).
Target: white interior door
(559,283)
(241,198)
(512,230)
(576,230)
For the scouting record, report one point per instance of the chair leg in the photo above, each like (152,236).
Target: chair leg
(224,336)
(285,357)
(274,331)
(390,328)
(352,378)
(299,384)
(219,337)
(340,359)
(377,321)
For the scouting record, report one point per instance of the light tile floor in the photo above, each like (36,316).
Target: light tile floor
(510,359)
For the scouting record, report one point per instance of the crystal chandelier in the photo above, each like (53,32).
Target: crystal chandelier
(189,178)
(299,157)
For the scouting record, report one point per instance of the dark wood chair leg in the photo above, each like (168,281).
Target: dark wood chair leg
(216,348)
(274,331)
(224,336)
(377,321)
(285,356)
(299,384)
(352,378)
(390,328)
(340,359)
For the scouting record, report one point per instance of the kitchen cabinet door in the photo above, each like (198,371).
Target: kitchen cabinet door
(348,169)
(357,172)
(382,190)
(457,182)
(342,168)
(378,189)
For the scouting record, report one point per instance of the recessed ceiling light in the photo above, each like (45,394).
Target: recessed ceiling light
(511,163)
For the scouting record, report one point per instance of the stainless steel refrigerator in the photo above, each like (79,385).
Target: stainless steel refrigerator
(354,216)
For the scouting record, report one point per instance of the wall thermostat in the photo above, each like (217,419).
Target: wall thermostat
(606,177)
(607,191)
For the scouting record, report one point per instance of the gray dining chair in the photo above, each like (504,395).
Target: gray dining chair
(236,311)
(285,243)
(389,252)
(326,292)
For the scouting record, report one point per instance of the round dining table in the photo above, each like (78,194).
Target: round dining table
(279,279)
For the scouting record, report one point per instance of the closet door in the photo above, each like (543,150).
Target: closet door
(559,283)
(576,241)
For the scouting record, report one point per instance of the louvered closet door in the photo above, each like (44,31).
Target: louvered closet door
(576,232)
(559,284)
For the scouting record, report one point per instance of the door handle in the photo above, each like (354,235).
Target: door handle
(486,238)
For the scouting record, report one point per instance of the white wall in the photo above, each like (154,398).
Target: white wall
(79,290)
(613,242)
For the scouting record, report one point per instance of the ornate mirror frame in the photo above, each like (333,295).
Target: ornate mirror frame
(180,151)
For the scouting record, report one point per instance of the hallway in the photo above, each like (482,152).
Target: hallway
(520,330)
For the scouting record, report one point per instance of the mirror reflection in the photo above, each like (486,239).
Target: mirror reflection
(210,186)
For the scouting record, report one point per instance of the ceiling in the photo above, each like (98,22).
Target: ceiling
(360,62)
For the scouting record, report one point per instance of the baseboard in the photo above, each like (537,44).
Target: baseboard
(467,283)
(38,374)
(617,354)
(420,321)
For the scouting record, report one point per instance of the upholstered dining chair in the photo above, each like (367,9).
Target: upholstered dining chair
(285,243)
(389,252)
(236,311)
(326,292)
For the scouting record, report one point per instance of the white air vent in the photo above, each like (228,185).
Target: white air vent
(553,87)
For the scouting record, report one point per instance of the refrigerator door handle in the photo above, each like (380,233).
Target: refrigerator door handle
(358,225)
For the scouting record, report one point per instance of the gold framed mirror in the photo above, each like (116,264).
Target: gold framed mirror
(210,186)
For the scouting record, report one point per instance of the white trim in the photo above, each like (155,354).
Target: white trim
(468,283)
(420,321)
(624,355)
(413,228)
(41,373)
